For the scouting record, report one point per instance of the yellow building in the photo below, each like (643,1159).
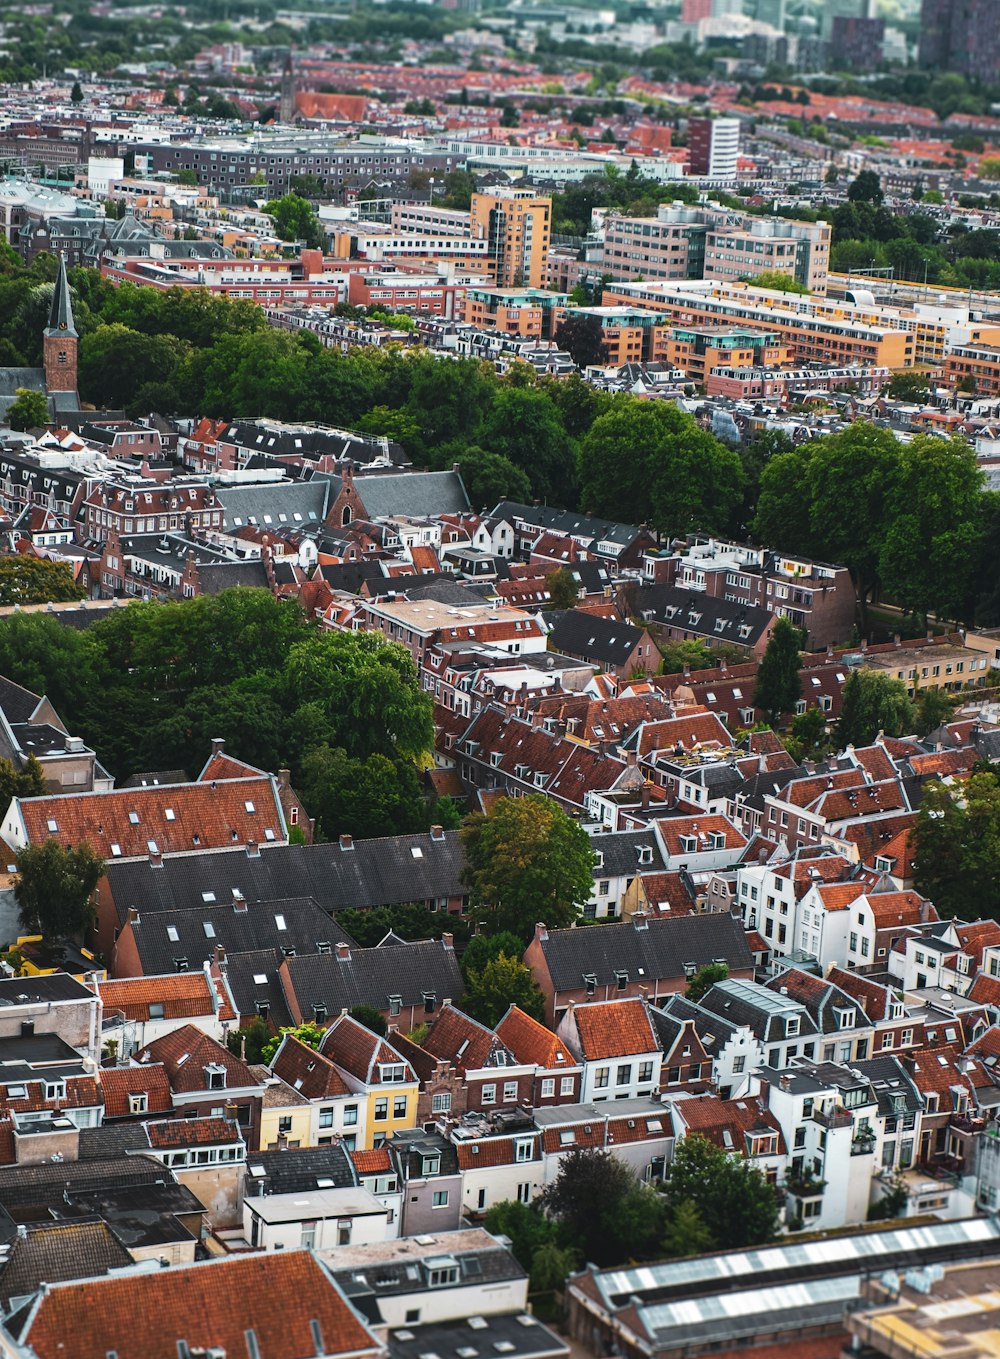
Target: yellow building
(517,225)
(383,1082)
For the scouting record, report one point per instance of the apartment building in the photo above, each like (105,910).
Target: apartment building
(529,312)
(517,225)
(770,244)
(714,147)
(974,368)
(813,329)
(701,351)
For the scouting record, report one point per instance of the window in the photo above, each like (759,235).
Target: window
(350,1115)
(523,1149)
(624,1074)
(489,1094)
(548,1088)
(439,1199)
(381,1110)
(399,1107)
(567,1085)
(156,1009)
(392,1074)
(739,1065)
(326,1118)
(601,1078)
(285,1123)
(645,1072)
(395,1004)
(138,1104)
(509,1092)
(524,1193)
(441,1104)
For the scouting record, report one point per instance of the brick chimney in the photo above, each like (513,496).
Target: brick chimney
(344,952)
(284,777)
(220,954)
(346,842)
(447,940)
(218,745)
(541,933)
(437,832)
(239,903)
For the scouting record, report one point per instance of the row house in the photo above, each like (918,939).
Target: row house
(943,954)
(701,1048)
(498,752)
(138,506)
(637,1132)
(617,1046)
(420,624)
(633,958)
(620,546)
(206,1079)
(48,479)
(138,1010)
(334,1109)
(743,1127)
(500,1159)
(373,1069)
(895,1031)
(490,1074)
(557,1072)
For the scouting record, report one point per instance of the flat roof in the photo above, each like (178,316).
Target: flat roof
(319,1203)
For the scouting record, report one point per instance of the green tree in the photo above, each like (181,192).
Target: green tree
(306,1033)
(866,188)
(525,1227)
(872,702)
(909,384)
(779,681)
(28,410)
(370,1018)
(563,588)
(808,736)
(551,1266)
(504,981)
(36,580)
(685,1232)
(483,948)
(26,782)
(366,798)
(490,478)
(76,94)
(410,920)
(249,1041)
(54,886)
(648,461)
(295,219)
(601,1210)
(527,861)
(933,709)
(582,336)
(939,851)
(777,281)
(523,426)
(737,1206)
(704,979)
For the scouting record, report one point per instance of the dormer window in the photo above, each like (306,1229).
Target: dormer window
(590,982)
(319,1014)
(391,1073)
(845,1018)
(792,1027)
(215,1077)
(689,844)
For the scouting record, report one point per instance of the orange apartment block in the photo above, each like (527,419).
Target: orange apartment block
(975,367)
(517,224)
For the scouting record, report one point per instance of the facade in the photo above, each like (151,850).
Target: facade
(516,224)
(714,146)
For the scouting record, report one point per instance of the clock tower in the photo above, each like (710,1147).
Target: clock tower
(61,341)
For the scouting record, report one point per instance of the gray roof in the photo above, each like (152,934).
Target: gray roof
(17,703)
(299,1170)
(890,1080)
(602,640)
(253,981)
(763,1011)
(516,1335)
(619,851)
(282,504)
(371,975)
(705,615)
(412,493)
(568,521)
(58,1252)
(713,1031)
(285,923)
(29,1192)
(654,950)
(372,873)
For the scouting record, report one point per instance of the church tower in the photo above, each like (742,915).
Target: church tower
(61,341)
(286,106)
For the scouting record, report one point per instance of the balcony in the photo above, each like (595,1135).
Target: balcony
(804,1186)
(837,1117)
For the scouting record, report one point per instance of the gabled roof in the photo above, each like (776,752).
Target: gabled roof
(186,1052)
(730,1123)
(370,976)
(54,1252)
(181,994)
(612,1028)
(532,1043)
(310,1073)
(650,951)
(360,1052)
(601,640)
(215,1304)
(120,1083)
(137,822)
(465,1043)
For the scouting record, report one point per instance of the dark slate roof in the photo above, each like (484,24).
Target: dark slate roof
(483,1265)
(112,1140)
(619,852)
(271,440)
(890,1078)
(694,611)
(601,640)
(299,1170)
(351,576)
(568,521)
(305,926)
(140,1215)
(658,949)
(56,1252)
(371,975)
(17,704)
(371,873)
(518,1336)
(420,494)
(29,1193)
(54,986)
(713,1031)
(408,1145)
(61,312)
(284,503)
(242,972)
(154,778)
(758,1009)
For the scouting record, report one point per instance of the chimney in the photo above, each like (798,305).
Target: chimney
(218,745)
(220,954)
(346,842)
(344,952)
(437,832)
(785,1081)
(253,849)
(284,776)
(155,859)
(282,1141)
(631,759)
(447,940)
(897,640)
(133,916)
(644,796)
(541,933)
(239,903)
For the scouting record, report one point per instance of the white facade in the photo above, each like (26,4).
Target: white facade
(324,1219)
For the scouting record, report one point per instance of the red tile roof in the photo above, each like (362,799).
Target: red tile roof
(464,1042)
(186,1053)
(209,1306)
(372,1162)
(310,1073)
(193,1132)
(118,1083)
(713,1118)
(360,1052)
(176,819)
(700,827)
(837,896)
(182,995)
(900,908)
(614,1028)
(532,1043)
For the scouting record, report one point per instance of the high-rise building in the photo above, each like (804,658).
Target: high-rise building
(856,43)
(714,147)
(963,36)
(831,10)
(517,223)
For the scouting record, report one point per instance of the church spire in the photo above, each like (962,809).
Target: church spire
(61,315)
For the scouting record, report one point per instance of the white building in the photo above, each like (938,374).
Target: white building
(322,1219)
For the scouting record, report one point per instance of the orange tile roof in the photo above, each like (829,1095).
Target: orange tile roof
(307,1071)
(900,908)
(182,995)
(532,1043)
(192,1132)
(372,1162)
(614,1028)
(186,1052)
(175,819)
(360,1052)
(210,1306)
(836,896)
(985,990)
(671,831)
(119,1082)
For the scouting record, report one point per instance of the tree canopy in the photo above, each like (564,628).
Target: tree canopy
(36,580)
(779,683)
(734,1201)
(956,847)
(600,1208)
(872,702)
(527,862)
(54,886)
